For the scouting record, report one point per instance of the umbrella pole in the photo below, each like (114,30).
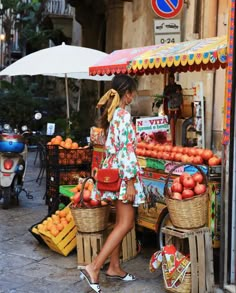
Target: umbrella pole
(67,102)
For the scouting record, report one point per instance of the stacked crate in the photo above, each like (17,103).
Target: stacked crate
(64,167)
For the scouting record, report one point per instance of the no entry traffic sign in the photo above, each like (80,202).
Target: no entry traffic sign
(167,8)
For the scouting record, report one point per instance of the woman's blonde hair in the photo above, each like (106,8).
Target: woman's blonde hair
(121,83)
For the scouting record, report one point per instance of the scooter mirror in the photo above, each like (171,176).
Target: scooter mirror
(37,116)
(24,128)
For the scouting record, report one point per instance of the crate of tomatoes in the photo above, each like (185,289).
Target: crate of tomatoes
(187,198)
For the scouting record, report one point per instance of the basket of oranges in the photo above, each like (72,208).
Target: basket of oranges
(187,198)
(90,213)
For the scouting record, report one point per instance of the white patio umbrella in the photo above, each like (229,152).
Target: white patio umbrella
(61,61)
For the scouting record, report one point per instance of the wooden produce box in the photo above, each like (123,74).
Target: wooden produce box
(201,255)
(90,244)
(64,242)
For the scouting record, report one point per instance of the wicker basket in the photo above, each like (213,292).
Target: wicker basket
(185,286)
(92,219)
(190,213)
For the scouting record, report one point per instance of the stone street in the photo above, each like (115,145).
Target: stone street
(28,266)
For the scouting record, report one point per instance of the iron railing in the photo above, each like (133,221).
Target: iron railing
(58,7)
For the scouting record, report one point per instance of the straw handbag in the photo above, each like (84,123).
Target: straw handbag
(90,219)
(189,213)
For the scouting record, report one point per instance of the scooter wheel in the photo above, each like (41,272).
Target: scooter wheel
(6,194)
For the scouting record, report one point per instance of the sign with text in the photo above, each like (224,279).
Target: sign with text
(167,39)
(166,26)
(153,129)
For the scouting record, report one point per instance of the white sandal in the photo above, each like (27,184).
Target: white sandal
(128,277)
(95,286)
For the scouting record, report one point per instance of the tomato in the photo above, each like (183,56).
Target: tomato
(156,147)
(182,176)
(150,146)
(192,152)
(178,157)
(177,187)
(166,156)
(138,152)
(86,195)
(148,153)
(176,180)
(197,160)
(176,195)
(168,148)
(207,154)
(199,151)
(141,145)
(174,149)
(159,155)
(76,197)
(198,177)
(214,161)
(172,156)
(200,188)
(161,147)
(94,203)
(104,203)
(188,182)
(187,193)
(185,158)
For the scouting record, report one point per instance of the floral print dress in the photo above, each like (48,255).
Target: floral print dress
(120,153)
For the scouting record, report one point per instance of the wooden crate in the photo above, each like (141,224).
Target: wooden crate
(201,255)
(90,244)
(64,242)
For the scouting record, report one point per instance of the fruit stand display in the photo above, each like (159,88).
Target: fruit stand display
(66,163)
(157,160)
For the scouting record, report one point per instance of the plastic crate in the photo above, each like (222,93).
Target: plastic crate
(60,156)
(66,190)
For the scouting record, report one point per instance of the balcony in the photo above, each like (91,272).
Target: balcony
(58,7)
(59,15)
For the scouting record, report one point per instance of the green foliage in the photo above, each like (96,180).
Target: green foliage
(16,104)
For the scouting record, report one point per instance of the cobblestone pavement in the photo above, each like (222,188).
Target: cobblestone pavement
(28,266)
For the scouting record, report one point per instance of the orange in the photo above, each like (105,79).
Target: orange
(54,231)
(69,140)
(62,143)
(67,145)
(74,145)
(60,227)
(49,143)
(58,137)
(68,218)
(62,214)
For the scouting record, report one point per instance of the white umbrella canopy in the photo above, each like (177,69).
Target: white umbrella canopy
(61,61)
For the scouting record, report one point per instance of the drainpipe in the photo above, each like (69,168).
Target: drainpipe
(209,29)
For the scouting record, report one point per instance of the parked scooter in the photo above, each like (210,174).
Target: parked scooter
(13,162)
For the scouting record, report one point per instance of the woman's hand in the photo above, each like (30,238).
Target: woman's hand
(131,191)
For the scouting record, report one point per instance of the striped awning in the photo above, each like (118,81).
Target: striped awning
(195,55)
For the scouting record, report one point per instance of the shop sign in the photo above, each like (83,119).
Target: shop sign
(154,129)
(167,8)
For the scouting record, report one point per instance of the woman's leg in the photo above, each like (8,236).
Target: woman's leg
(114,264)
(125,223)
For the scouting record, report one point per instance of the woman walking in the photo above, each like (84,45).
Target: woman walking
(120,153)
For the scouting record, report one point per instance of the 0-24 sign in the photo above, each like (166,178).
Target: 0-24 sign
(167,39)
